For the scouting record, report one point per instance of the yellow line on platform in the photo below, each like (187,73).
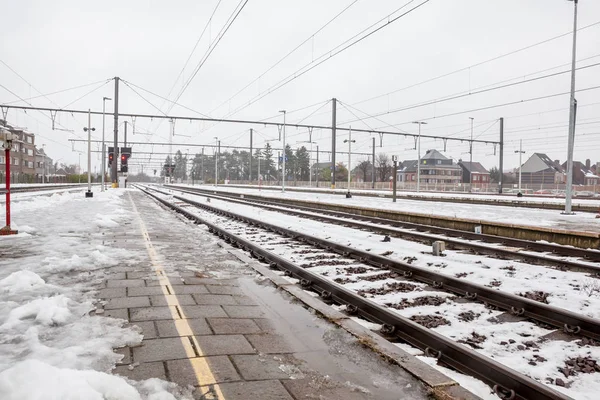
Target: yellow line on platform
(204,374)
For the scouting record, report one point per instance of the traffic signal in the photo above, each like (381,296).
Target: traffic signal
(111,156)
(124,158)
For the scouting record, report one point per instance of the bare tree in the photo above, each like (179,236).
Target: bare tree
(383,163)
(364,167)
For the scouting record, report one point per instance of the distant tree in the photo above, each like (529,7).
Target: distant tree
(341,172)
(494,175)
(383,163)
(180,166)
(364,167)
(303,160)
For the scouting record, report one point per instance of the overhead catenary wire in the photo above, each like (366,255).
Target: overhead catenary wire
(332,53)
(286,56)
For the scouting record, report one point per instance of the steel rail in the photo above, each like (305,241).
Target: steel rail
(568,321)
(589,254)
(536,259)
(506,203)
(506,382)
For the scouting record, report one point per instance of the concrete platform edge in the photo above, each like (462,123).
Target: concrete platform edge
(440,386)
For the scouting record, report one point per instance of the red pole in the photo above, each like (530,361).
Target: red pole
(7,156)
(6,230)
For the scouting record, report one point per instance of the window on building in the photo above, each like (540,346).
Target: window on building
(1,160)
(412,177)
(438,162)
(16,160)
(29,139)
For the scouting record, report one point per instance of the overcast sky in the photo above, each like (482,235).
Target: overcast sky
(57,45)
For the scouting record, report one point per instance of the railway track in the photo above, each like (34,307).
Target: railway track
(521,250)
(398,279)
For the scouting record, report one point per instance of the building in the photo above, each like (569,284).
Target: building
(480,175)
(435,168)
(22,155)
(43,164)
(540,169)
(583,173)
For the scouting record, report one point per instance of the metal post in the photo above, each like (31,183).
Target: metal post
(284,155)
(395,179)
(373,167)
(310,165)
(501,155)
(419,155)
(318,169)
(125,135)
(113,170)
(520,151)
(216,157)
(89,166)
(349,140)
(7,230)
(572,120)
(103,145)
(471,158)
(250,168)
(202,165)
(333,128)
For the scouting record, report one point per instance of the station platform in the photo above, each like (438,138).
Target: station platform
(211,322)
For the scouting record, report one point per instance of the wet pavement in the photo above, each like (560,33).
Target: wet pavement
(211,322)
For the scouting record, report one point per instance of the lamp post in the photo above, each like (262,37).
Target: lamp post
(103,146)
(44,164)
(7,141)
(216,156)
(349,141)
(471,158)
(520,151)
(284,155)
(572,119)
(419,155)
(89,130)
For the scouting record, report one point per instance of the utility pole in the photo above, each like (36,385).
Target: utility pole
(103,145)
(284,154)
(89,130)
(333,133)
(373,167)
(250,169)
(471,158)
(318,172)
(125,135)
(419,155)
(113,170)
(394,177)
(520,151)
(349,141)
(218,143)
(572,120)
(202,165)
(501,155)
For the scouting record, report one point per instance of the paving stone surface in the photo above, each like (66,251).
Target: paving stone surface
(205,323)
(224,344)
(172,300)
(188,327)
(114,283)
(263,390)
(148,329)
(261,367)
(203,371)
(127,302)
(230,326)
(244,311)
(215,299)
(163,350)
(152,313)
(143,371)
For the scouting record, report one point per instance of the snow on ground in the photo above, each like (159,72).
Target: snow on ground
(25,196)
(51,345)
(505,342)
(566,289)
(504,214)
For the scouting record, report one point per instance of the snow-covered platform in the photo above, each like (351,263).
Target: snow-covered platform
(187,317)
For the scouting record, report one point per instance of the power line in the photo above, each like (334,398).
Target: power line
(193,50)
(454,97)
(478,64)
(213,46)
(330,54)
(286,56)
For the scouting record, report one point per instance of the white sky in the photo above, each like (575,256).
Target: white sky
(61,44)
